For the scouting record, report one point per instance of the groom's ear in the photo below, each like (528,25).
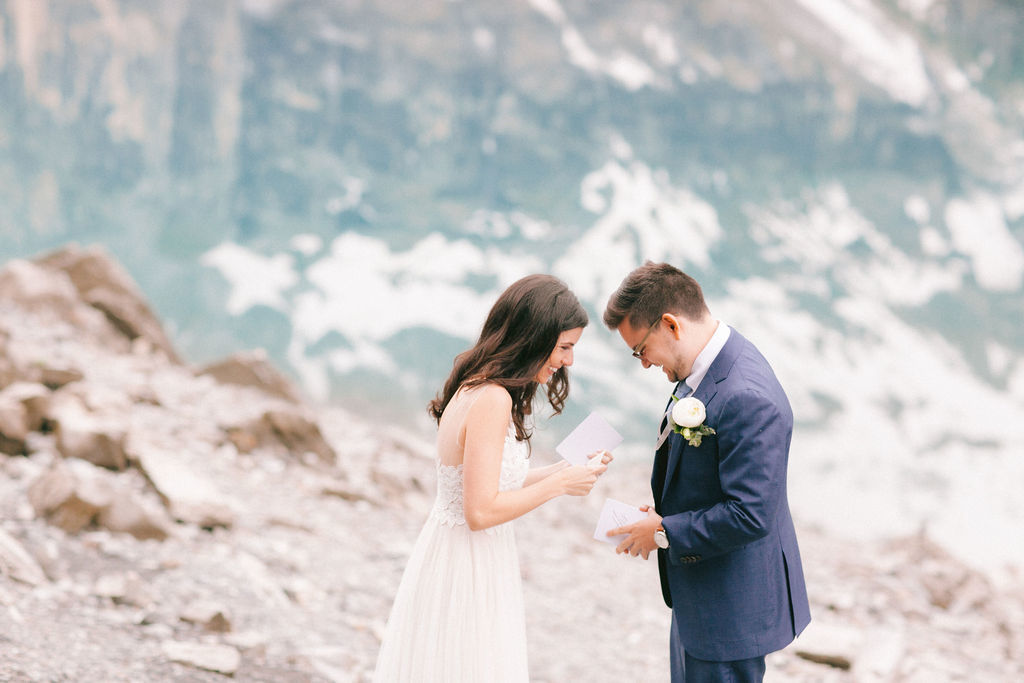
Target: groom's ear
(675,325)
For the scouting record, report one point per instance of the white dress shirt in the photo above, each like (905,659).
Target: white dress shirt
(702,363)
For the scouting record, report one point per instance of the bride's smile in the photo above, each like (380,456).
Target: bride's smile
(561,356)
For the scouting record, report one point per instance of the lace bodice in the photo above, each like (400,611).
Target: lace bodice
(448,506)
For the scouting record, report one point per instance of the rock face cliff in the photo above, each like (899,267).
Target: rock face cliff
(166,522)
(848,149)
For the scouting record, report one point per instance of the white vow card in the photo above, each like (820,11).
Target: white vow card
(593,434)
(613,515)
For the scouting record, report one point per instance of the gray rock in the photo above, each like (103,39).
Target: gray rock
(210,615)
(23,409)
(50,295)
(299,433)
(73,494)
(13,425)
(30,286)
(825,642)
(83,434)
(35,397)
(252,369)
(104,284)
(18,563)
(130,513)
(247,640)
(55,377)
(346,491)
(286,431)
(68,501)
(188,495)
(212,657)
(123,588)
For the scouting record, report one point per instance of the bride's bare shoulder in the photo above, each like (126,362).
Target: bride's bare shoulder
(490,396)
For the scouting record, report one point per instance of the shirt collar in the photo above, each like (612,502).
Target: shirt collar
(706,357)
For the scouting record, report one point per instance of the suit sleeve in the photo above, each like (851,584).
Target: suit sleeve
(753,435)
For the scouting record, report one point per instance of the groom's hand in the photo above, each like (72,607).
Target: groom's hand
(639,536)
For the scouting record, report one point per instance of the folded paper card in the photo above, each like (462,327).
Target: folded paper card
(593,434)
(613,515)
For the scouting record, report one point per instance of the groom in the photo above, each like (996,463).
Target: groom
(727,551)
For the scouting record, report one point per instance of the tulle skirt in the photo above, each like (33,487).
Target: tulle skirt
(458,615)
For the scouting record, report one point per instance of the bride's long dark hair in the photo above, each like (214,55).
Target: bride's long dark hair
(516,341)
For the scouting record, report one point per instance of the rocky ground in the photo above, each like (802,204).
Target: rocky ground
(165,522)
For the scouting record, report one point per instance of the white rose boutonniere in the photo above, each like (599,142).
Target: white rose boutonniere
(688,419)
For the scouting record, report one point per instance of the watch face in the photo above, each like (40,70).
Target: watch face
(660,539)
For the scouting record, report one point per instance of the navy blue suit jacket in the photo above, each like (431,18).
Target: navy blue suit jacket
(732,572)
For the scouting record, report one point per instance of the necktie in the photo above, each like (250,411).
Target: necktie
(661,449)
(682,391)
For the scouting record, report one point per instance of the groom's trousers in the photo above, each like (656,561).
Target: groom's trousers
(687,669)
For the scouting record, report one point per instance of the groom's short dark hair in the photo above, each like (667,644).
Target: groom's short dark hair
(652,290)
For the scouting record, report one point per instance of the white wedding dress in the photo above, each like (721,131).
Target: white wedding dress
(458,615)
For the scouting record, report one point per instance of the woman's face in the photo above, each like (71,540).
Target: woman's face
(561,356)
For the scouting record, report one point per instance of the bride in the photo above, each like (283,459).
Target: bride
(458,614)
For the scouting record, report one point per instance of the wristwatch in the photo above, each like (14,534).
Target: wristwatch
(661,538)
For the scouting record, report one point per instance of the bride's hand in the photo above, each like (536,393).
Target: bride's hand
(599,458)
(578,480)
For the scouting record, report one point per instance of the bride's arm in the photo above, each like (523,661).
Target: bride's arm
(485,506)
(537,473)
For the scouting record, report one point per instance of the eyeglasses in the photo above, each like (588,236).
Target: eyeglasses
(638,350)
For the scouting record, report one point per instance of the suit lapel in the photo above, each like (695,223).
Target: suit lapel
(705,393)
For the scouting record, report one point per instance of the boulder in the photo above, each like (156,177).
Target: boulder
(188,496)
(33,287)
(13,425)
(287,430)
(347,491)
(133,514)
(23,409)
(44,372)
(106,286)
(209,656)
(74,494)
(252,369)
(252,642)
(123,588)
(825,642)
(54,377)
(18,563)
(86,438)
(50,295)
(84,435)
(68,501)
(34,397)
(210,615)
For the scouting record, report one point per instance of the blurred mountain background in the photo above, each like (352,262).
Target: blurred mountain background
(349,184)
